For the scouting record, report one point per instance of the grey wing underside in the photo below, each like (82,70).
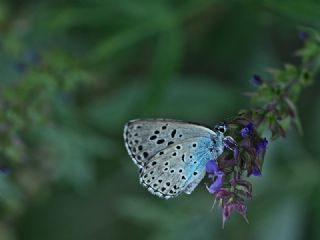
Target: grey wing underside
(145,138)
(159,146)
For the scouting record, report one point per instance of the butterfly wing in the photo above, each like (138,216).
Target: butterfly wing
(145,138)
(179,167)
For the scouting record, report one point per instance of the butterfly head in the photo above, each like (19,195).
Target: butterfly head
(221,128)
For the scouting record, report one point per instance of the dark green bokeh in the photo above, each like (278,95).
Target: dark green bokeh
(104,62)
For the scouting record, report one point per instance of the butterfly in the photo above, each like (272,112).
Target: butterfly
(172,154)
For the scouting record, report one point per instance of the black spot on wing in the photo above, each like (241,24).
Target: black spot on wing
(173,133)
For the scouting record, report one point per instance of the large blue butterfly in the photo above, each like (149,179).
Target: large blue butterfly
(172,154)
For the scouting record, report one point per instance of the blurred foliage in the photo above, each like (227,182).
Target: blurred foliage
(73,72)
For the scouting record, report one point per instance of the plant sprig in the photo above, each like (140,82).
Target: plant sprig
(273,111)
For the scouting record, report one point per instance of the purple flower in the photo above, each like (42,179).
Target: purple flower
(217,183)
(4,170)
(234,206)
(226,213)
(256,172)
(236,154)
(261,146)
(247,130)
(211,166)
(215,175)
(256,80)
(303,36)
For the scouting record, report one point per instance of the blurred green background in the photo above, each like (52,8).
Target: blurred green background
(74,72)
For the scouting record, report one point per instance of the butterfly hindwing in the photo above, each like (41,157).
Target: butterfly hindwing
(178,168)
(145,138)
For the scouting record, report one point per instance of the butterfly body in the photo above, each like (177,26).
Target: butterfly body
(171,154)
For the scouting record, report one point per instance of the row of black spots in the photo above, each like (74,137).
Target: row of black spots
(173,133)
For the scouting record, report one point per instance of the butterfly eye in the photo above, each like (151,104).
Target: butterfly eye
(221,129)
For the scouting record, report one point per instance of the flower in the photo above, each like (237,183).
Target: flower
(261,146)
(4,170)
(236,154)
(256,80)
(256,172)
(234,206)
(303,36)
(215,175)
(217,183)
(247,130)
(211,166)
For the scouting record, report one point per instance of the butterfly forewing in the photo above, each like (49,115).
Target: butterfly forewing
(146,138)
